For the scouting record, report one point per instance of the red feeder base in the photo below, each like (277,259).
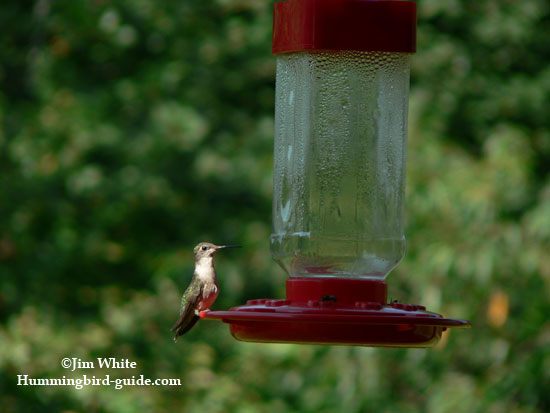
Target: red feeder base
(335,311)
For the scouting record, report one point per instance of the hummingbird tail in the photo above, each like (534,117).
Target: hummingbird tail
(184,326)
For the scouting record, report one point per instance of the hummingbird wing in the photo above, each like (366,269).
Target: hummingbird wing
(189,302)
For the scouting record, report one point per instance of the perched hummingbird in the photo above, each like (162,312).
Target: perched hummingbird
(203,290)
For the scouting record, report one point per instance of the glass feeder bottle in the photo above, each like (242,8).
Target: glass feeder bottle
(339,162)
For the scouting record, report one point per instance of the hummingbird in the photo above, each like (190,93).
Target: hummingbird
(203,290)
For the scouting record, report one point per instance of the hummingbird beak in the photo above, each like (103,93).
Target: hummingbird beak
(220,247)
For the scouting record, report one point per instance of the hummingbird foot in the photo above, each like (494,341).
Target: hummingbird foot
(200,314)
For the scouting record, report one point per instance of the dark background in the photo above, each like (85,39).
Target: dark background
(130,130)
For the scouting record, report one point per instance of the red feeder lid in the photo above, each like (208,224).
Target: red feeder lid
(366,25)
(335,311)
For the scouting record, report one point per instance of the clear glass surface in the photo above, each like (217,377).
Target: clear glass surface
(339,174)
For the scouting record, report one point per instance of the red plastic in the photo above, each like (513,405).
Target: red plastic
(335,311)
(375,25)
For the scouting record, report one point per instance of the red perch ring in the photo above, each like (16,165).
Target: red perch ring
(337,312)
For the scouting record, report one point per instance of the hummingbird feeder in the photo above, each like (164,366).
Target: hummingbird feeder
(339,178)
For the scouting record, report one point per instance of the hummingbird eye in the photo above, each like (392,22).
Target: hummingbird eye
(204,248)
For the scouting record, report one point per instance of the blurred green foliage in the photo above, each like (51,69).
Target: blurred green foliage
(131,130)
